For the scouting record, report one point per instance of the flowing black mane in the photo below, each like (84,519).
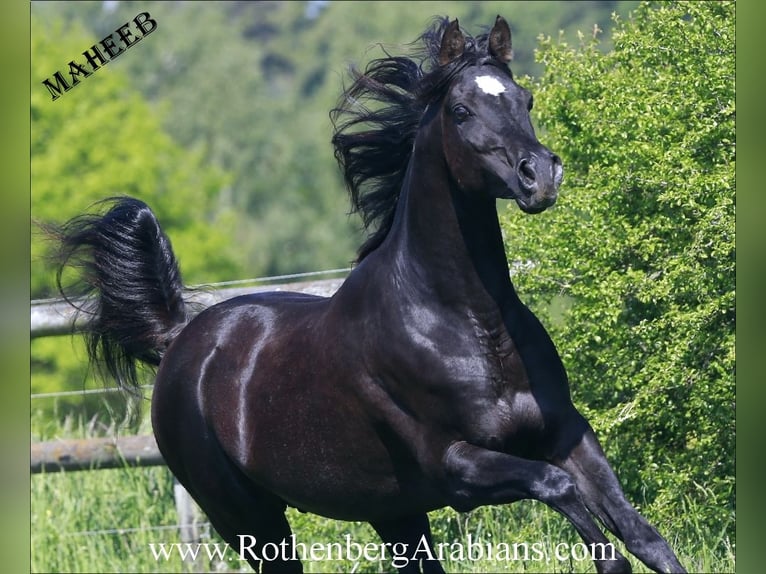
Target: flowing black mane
(373,143)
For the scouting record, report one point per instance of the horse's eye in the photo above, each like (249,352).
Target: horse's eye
(461,113)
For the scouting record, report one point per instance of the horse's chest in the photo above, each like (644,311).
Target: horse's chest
(467,374)
(500,410)
(506,423)
(470,350)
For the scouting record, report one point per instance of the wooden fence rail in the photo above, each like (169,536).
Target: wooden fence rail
(51,318)
(94,454)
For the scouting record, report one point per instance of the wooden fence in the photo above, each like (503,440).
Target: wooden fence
(94,453)
(57,317)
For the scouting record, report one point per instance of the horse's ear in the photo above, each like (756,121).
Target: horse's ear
(453,43)
(500,40)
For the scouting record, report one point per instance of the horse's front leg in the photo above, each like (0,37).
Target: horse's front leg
(476,476)
(602,494)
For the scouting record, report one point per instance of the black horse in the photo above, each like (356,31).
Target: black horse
(423,382)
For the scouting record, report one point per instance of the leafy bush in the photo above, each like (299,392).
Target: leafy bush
(638,257)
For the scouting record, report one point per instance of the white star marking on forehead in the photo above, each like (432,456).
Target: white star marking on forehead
(490,85)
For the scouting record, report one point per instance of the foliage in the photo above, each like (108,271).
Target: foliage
(640,252)
(101,139)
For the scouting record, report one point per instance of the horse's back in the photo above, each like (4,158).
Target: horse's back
(233,330)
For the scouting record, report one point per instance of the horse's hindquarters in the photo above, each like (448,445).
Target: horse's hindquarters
(266,380)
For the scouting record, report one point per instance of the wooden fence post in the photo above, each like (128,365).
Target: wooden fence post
(188,514)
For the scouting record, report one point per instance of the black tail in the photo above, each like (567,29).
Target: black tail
(131,283)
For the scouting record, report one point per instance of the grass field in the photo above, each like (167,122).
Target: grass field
(108,520)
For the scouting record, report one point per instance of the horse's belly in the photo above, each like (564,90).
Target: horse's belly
(325,459)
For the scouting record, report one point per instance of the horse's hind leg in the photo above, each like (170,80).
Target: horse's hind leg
(257,530)
(602,494)
(247,517)
(411,535)
(250,520)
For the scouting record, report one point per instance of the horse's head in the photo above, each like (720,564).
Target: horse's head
(488,139)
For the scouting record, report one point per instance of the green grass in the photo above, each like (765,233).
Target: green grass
(105,521)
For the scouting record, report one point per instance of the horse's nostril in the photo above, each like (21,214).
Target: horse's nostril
(527,172)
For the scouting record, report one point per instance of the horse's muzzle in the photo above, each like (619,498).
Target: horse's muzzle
(540,174)
(539,177)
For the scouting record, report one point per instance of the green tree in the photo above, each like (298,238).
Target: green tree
(637,259)
(98,140)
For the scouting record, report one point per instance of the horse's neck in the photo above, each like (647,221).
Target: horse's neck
(449,244)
